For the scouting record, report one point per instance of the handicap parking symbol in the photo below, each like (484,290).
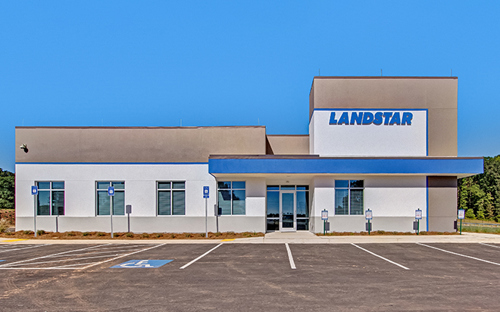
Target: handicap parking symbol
(141,264)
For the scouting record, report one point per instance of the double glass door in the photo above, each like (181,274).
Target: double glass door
(287,208)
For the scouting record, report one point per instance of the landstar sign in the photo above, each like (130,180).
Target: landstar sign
(368,118)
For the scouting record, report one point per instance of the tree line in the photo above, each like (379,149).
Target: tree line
(479,195)
(7,189)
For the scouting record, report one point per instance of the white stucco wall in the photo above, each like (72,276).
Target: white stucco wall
(367,140)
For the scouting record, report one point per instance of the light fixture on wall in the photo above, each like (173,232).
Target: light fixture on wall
(24,147)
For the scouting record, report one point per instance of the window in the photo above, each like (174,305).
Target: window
(231,197)
(349,197)
(171,198)
(50,199)
(105,203)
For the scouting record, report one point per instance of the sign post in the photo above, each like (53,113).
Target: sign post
(206,195)
(369,217)
(34,192)
(128,209)
(418,216)
(324,217)
(111,193)
(461,216)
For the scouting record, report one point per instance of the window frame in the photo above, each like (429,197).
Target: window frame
(231,189)
(111,205)
(349,188)
(170,190)
(50,190)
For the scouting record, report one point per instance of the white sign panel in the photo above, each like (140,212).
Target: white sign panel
(418,214)
(383,132)
(461,214)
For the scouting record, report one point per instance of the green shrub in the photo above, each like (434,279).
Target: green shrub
(159,235)
(217,234)
(202,234)
(28,232)
(145,235)
(469,214)
(40,232)
(230,233)
(129,235)
(172,235)
(4,225)
(187,234)
(71,234)
(85,233)
(100,234)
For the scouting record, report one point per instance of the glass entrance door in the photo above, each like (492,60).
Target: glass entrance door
(287,208)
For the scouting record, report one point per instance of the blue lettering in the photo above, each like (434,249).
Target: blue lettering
(378,119)
(407,117)
(355,117)
(344,119)
(395,119)
(333,121)
(367,118)
(386,118)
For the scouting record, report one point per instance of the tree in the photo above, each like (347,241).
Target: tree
(479,195)
(7,189)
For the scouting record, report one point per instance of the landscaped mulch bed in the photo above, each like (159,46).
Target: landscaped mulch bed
(102,235)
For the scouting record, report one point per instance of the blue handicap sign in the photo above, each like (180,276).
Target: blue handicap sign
(2,260)
(141,264)
(111,191)
(34,190)
(205,191)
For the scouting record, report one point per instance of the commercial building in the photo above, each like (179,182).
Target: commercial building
(388,144)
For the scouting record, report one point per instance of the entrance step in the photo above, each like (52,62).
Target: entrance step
(291,235)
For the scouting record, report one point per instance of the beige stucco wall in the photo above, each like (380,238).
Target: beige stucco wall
(437,94)
(136,144)
(442,199)
(288,144)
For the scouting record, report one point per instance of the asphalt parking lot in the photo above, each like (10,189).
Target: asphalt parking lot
(249,277)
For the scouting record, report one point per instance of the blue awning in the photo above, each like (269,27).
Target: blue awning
(319,165)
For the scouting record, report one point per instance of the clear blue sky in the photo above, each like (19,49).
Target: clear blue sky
(153,63)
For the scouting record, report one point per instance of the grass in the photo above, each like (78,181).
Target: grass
(481,229)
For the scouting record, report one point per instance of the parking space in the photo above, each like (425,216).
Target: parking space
(68,257)
(251,277)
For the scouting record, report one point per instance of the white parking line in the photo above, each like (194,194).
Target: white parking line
(490,245)
(62,260)
(457,254)
(131,253)
(16,249)
(203,255)
(399,265)
(48,256)
(290,257)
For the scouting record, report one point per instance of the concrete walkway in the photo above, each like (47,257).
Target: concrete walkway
(279,238)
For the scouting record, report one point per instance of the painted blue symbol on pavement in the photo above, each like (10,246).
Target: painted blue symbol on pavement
(111,191)
(141,264)
(2,260)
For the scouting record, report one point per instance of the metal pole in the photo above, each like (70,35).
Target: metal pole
(418,226)
(460,226)
(57,223)
(111,217)
(128,215)
(216,209)
(206,218)
(324,227)
(34,217)
(369,227)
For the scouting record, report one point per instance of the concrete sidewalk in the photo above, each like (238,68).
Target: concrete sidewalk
(280,238)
